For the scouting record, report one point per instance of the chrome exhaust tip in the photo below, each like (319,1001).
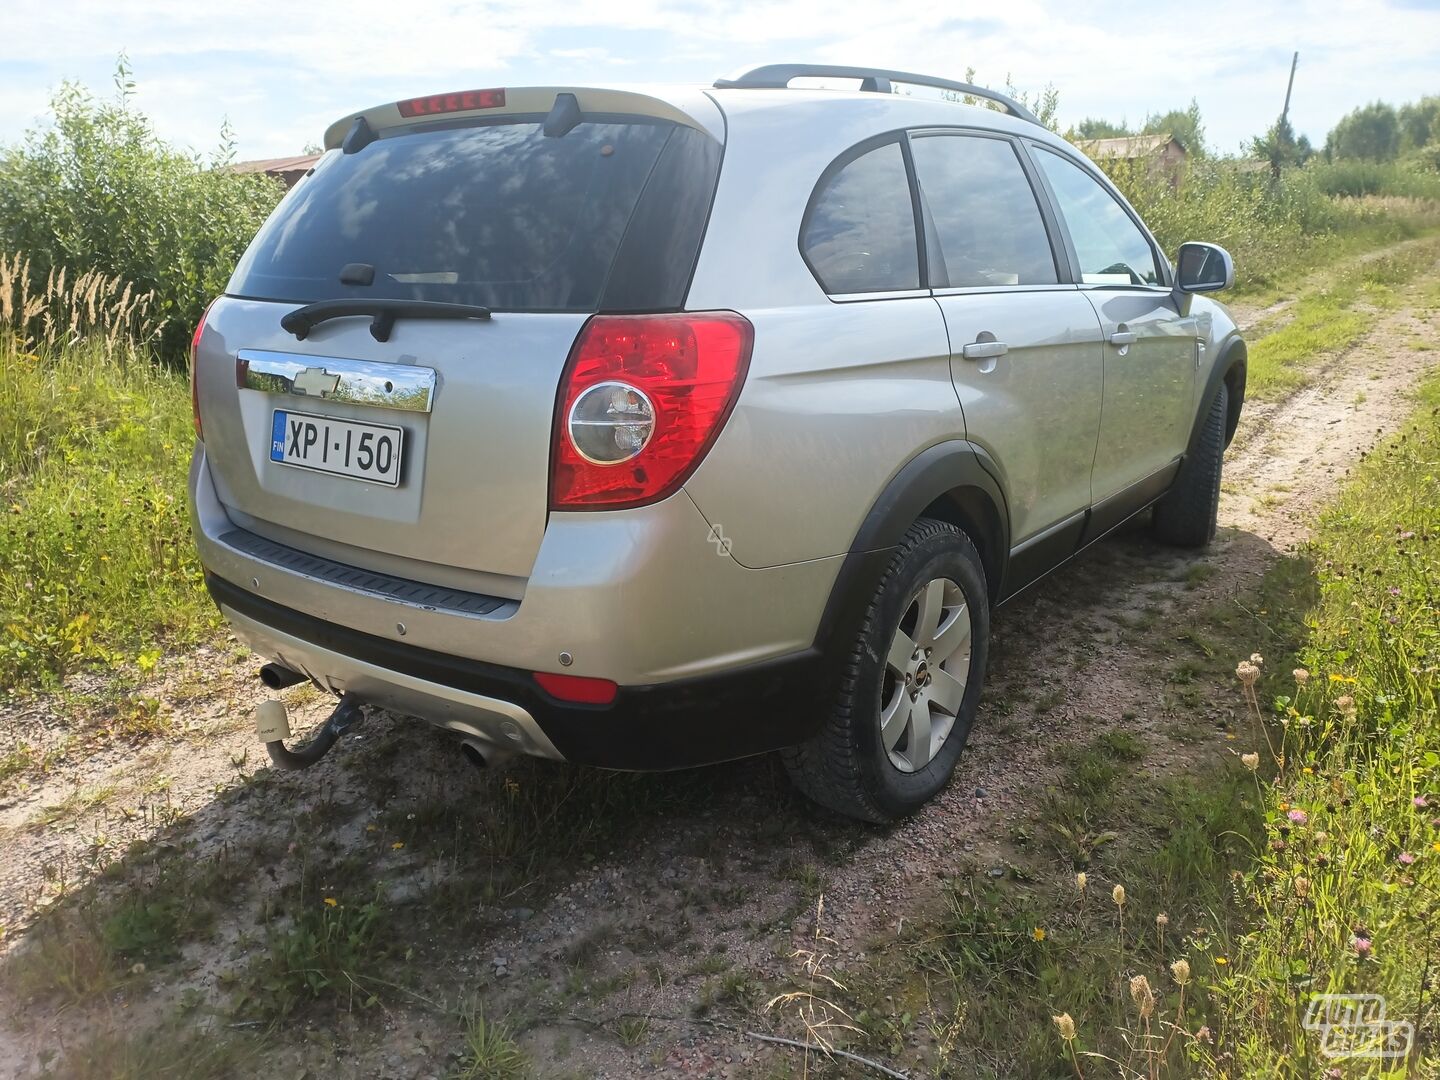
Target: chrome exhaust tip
(483,754)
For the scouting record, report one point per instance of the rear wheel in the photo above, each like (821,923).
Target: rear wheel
(1186,516)
(910,685)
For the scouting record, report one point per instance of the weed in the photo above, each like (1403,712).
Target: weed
(491,1052)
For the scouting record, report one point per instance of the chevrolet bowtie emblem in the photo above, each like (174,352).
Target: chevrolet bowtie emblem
(314,382)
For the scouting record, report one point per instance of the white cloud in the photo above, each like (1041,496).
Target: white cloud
(282,72)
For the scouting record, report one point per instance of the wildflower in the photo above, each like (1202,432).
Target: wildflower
(1346,704)
(330,901)
(372,827)
(1420,803)
(1298,817)
(1064,1024)
(1221,961)
(397,845)
(1302,887)
(1363,945)
(1435,846)
(1301,676)
(1118,895)
(1162,920)
(1038,933)
(1181,970)
(1257,659)
(1141,994)
(1081,880)
(1247,673)
(1203,1035)
(1405,859)
(1250,761)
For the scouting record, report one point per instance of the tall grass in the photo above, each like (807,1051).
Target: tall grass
(1345,892)
(1274,228)
(94,540)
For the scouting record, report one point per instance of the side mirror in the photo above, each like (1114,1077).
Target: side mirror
(1204,268)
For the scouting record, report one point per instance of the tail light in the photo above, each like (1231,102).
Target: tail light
(194,373)
(642,400)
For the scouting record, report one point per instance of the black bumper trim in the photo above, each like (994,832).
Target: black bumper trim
(751,710)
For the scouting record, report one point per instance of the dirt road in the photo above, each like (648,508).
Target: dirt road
(598,897)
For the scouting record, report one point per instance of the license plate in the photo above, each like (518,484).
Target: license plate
(341,447)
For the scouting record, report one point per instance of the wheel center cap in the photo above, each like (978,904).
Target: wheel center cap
(922,676)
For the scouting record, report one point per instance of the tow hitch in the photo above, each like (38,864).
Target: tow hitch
(272,724)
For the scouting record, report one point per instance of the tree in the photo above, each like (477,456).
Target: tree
(1420,123)
(1096,128)
(1371,132)
(1281,148)
(1184,124)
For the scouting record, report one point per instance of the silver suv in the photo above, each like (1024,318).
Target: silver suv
(646,428)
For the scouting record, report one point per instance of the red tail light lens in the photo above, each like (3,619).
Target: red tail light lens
(671,383)
(194,378)
(464,101)
(577,688)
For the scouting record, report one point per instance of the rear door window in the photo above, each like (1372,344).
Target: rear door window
(859,233)
(987,221)
(495,214)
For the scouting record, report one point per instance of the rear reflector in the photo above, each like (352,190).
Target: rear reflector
(577,688)
(448,103)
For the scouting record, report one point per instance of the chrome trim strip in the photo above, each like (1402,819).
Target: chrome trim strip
(355,382)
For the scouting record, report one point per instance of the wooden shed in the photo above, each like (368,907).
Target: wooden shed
(288,170)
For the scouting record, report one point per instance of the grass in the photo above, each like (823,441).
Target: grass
(1250,883)
(1343,893)
(94,536)
(1330,320)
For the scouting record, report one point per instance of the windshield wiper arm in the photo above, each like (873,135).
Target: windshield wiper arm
(302,320)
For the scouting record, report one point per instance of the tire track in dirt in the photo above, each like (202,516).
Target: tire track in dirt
(1070,658)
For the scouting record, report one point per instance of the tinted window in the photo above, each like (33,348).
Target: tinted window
(1111,248)
(987,220)
(860,233)
(496,215)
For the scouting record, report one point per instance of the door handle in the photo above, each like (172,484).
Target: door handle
(983,350)
(1122,337)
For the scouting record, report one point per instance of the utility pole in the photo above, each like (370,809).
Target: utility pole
(1279,146)
(1290,86)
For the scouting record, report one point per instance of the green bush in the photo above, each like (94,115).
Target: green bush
(97,189)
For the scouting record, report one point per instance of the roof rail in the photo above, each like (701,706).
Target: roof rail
(877,80)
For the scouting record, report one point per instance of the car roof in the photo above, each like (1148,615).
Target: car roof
(714,109)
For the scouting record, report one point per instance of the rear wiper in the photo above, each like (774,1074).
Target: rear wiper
(302,320)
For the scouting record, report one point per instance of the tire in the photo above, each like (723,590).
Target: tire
(933,586)
(1186,514)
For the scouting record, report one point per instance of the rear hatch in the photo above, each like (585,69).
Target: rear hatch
(422,446)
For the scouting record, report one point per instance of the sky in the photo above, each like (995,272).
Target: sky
(281,71)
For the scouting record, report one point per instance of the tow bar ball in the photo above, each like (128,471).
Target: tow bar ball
(272,725)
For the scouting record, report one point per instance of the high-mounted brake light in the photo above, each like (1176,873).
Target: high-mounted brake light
(194,380)
(464,101)
(642,400)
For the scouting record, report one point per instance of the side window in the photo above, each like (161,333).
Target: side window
(988,223)
(859,235)
(1111,249)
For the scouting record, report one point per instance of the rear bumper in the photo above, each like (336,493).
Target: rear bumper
(678,724)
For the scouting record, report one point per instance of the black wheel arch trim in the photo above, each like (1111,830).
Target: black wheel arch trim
(924,484)
(1229,367)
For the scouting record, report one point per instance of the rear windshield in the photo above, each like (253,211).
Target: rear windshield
(497,215)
